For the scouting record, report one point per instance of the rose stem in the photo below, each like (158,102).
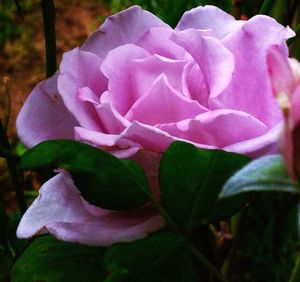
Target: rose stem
(13,170)
(201,259)
(48,9)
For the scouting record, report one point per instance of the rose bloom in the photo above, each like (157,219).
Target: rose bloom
(285,80)
(135,86)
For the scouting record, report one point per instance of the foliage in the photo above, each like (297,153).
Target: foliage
(191,182)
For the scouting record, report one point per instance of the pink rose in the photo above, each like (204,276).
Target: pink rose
(137,85)
(285,80)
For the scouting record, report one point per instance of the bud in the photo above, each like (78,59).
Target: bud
(284,76)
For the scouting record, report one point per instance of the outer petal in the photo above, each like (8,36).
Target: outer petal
(215,61)
(249,90)
(209,17)
(70,220)
(79,70)
(44,115)
(217,128)
(125,27)
(259,146)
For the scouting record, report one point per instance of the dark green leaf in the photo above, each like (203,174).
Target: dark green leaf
(191,180)
(262,175)
(161,257)
(102,179)
(47,259)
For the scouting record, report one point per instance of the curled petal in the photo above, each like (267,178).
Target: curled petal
(81,70)
(169,105)
(70,220)
(118,67)
(214,60)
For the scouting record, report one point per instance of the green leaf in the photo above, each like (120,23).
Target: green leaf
(161,257)
(47,259)
(191,180)
(102,179)
(267,174)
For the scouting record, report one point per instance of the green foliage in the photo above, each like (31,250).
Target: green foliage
(102,179)
(265,243)
(193,200)
(161,257)
(191,180)
(47,259)
(267,174)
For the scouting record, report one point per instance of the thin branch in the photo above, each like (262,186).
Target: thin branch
(200,258)
(48,9)
(13,170)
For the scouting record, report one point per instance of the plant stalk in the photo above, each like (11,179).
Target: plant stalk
(200,258)
(48,9)
(13,170)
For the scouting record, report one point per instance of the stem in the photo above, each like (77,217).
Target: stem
(201,259)
(8,109)
(4,153)
(49,33)
(13,171)
(266,7)
(295,277)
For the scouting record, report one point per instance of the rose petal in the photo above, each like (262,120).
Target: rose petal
(125,27)
(157,41)
(169,105)
(218,128)
(215,61)
(146,71)
(44,115)
(112,121)
(249,90)
(259,146)
(80,69)
(69,219)
(118,67)
(281,76)
(211,18)
(194,85)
